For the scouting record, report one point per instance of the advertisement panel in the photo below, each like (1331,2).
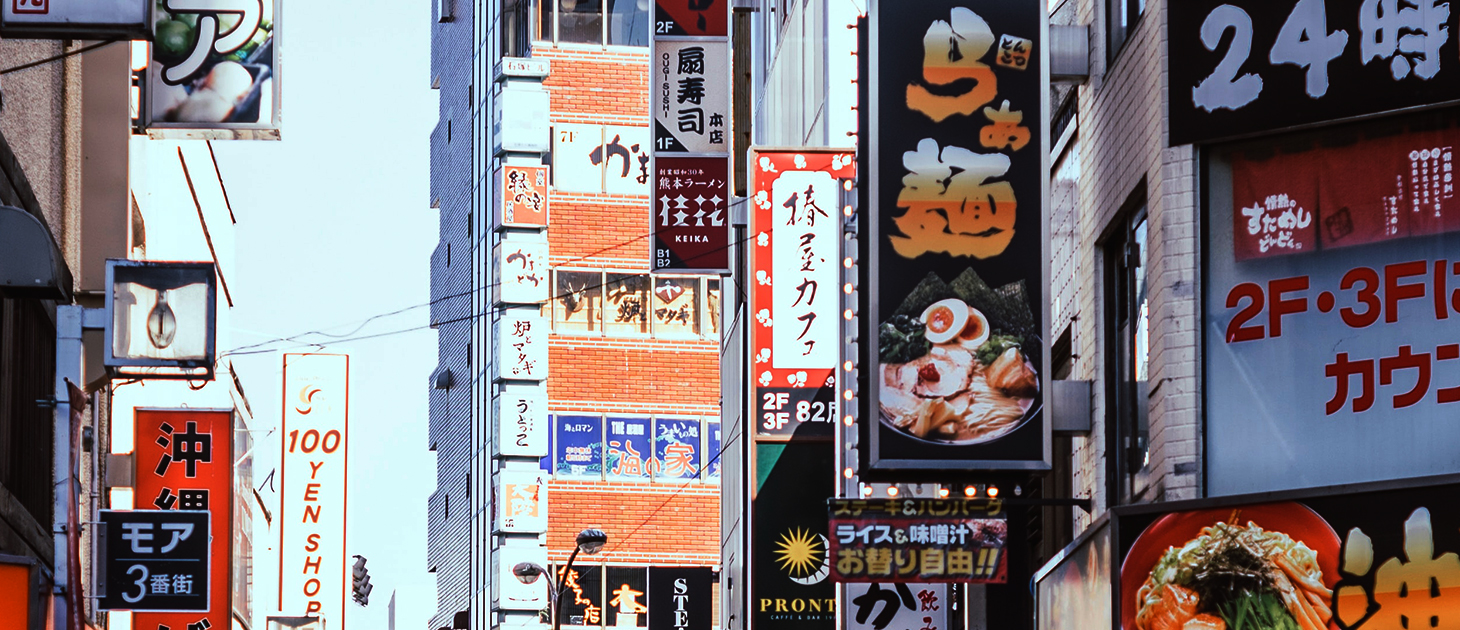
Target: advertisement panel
(1074,591)
(509,593)
(953,241)
(918,540)
(691,216)
(155,560)
(1376,557)
(215,67)
(519,338)
(630,448)
(522,199)
(1331,293)
(910,606)
(690,95)
(522,422)
(578,446)
(681,598)
(796,218)
(183,462)
(521,270)
(1300,62)
(676,449)
(790,565)
(313,568)
(521,502)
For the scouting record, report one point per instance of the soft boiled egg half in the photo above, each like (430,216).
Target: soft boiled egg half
(953,320)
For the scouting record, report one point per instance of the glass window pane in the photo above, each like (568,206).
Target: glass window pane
(627,605)
(628,22)
(578,302)
(545,20)
(629,450)
(628,304)
(712,308)
(676,306)
(580,21)
(676,449)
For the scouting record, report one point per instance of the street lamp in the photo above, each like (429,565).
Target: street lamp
(590,541)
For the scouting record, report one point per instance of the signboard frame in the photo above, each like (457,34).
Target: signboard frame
(1036,425)
(18,24)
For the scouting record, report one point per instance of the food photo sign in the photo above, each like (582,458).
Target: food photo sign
(1379,557)
(952,292)
(214,67)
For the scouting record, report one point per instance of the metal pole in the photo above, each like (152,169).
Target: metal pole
(68,365)
(557,590)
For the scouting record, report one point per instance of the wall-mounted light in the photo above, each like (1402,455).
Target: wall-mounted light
(161,319)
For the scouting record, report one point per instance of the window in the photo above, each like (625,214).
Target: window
(676,306)
(578,302)
(1120,19)
(583,599)
(628,23)
(624,304)
(628,304)
(602,22)
(1128,326)
(580,21)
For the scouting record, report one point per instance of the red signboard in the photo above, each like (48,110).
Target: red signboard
(691,214)
(523,196)
(700,18)
(184,461)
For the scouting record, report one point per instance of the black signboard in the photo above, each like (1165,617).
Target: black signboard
(791,586)
(918,540)
(680,598)
(155,560)
(953,237)
(1371,557)
(1242,67)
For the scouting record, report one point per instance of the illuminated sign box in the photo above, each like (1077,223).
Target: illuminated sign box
(161,319)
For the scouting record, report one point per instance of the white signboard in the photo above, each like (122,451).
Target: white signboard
(804,248)
(521,502)
(625,160)
(313,571)
(690,96)
(573,167)
(520,340)
(875,606)
(510,593)
(522,422)
(521,271)
(521,119)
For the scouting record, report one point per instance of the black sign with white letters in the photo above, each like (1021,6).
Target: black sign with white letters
(1242,67)
(155,560)
(680,598)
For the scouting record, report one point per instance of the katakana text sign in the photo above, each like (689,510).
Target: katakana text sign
(215,66)
(691,214)
(1332,300)
(522,199)
(700,18)
(521,270)
(918,540)
(953,237)
(795,267)
(1248,66)
(156,560)
(691,96)
(184,462)
(520,338)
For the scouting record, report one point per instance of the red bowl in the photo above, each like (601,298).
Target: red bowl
(1178,528)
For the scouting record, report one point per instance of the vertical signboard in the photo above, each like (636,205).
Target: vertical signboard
(1331,306)
(156,560)
(690,84)
(521,502)
(795,293)
(910,606)
(522,422)
(520,339)
(522,270)
(523,197)
(791,586)
(680,598)
(954,239)
(214,67)
(184,462)
(1300,62)
(312,471)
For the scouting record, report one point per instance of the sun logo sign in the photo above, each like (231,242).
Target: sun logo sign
(801,554)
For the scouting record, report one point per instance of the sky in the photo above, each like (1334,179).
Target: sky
(334,226)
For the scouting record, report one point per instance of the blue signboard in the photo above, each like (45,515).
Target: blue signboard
(579,446)
(712,452)
(547,460)
(629,451)
(677,448)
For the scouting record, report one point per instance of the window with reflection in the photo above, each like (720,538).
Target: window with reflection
(578,302)
(627,304)
(628,22)
(712,308)
(580,21)
(676,306)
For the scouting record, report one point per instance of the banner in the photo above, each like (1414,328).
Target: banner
(1332,288)
(1301,62)
(795,257)
(953,238)
(676,449)
(578,446)
(313,568)
(215,67)
(681,598)
(918,540)
(630,449)
(183,462)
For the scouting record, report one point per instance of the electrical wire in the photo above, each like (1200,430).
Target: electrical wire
(70,53)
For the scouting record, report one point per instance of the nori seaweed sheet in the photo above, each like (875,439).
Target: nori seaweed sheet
(931,290)
(1007,308)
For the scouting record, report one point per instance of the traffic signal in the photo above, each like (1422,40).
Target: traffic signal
(361,585)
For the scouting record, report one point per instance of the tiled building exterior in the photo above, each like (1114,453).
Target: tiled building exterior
(630,354)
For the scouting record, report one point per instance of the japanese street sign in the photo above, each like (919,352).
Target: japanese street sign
(520,340)
(702,18)
(215,66)
(897,606)
(918,540)
(156,560)
(1375,557)
(1303,62)
(676,449)
(691,216)
(313,495)
(521,502)
(1330,302)
(790,587)
(523,196)
(681,598)
(522,422)
(795,266)
(521,270)
(691,96)
(953,238)
(630,448)
(184,462)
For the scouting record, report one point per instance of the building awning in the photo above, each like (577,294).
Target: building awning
(31,266)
